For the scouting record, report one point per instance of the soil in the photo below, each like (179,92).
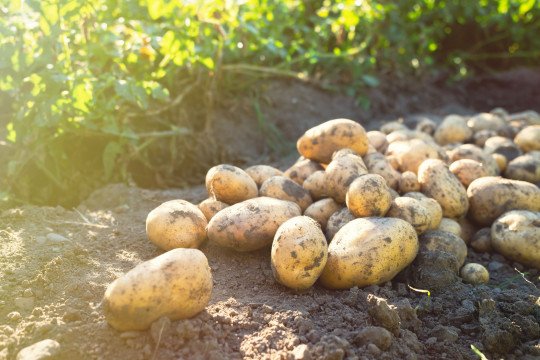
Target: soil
(56,263)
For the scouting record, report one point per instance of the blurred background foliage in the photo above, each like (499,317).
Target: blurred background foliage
(96,92)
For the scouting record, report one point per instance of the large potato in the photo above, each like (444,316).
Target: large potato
(299,253)
(411,153)
(322,210)
(470,151)
(516,235)
(316,185)
(283,188)
(230,184)
(434,208)
(490,197)
(301,170)
(177,284)
(251,224)
(320,142)
(412,211)
(260,173)
(467,170)
(211,207)
(369,251)
(341,172)
(378,164)
(444,241)
(528,139)
(175,224)
(525,167)
(369,195)
(438,182)
(486,121)
(453,129)
(336,221)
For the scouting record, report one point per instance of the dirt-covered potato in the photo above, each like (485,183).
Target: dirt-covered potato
(378,140)
(251,224)
(528,139)
(450,225)
(299,253)
(525,167)
(283,188)
(322,210)
(503,146)
(468,229)
(426,125)
(341,172)
(481,137)
(438,182)
(368,195)
(302,169)
(410,154)
(516,236)
(211,207)
(408,182)
(369,251)
(378,164)
(481,241)
(176,284)
(444,241)
(230,184)
(486,121)
(260,173)
(473,152)
(392,126)
(501,161)
(453,129)
(336,221)
(467,170)
(433,207)
(473,273)
(316,185)
(412,211)
(176,224)
(405,135)
(491,196)
(320,142)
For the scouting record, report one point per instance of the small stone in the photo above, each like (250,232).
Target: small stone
(431,341)
(301,352)
(24,303)
(44,349)
(376,335)
(57,238)
(445,333)
(495,265)
(373,350)
(14,316)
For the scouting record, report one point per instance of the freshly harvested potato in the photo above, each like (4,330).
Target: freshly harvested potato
(260,173)
(434,208)
(503,146)
(299,253)
(426,125)
(320,142)
(450,225)
(393,126)
(470,151)
(528,139)
(405,135)
(378,164)
(176,284)
(501,161)
(486,121)
(410,154)
(369,251)
(467,170)
(524,119)
(525,167)
(444,241)
(481,137)
(412,211)
(316,185)
(468,229)
(490,197)
(473,273)
(408,182)
(481,241)
(302,169)
(378,140)
(230,184)
(176,224)
(283,188)
(322,210)
(438,182)
(453,129)
(515,235)
(341,172)
(251,224)
(393,161)
(368,195)
(346,151)
(211,207)
(336,221)
(393,193)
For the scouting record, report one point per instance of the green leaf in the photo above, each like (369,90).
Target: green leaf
(110,153)
(208,62)
(526,6)
(82,94)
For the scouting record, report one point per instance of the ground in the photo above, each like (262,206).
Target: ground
(56,263)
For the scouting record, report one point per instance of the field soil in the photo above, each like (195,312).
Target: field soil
(56,263)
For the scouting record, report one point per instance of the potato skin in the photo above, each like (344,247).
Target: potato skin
(411,153)
(408,182)
(378,164)
(176,284)
(175,224)
(301,170)
(316,185)
(453,129)
(412,211)
(320,142)
(230,184)
(369,251)
(259,173)
(525,167)
(491,196)
(341,172)
(211,207)
(528,139)
(336,221)
(368,195)
(251,224)
(299,253)
(481,241)
(473,273)
(467,170)
(283,188)
(444,241)
(321,210)
(378,140)
(470,151)
(433,207)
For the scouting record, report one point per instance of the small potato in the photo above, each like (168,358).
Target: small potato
(473,273)
(251,224)
(516,236)
(393,126)
(524,119)
(230,184)
(301,170)
(410,154)
(453,129)
(528,139)
(341,172)
(525,167)
(501,162)
(378,164)
(470,151)
(299,253)
(176,284)
(481,241)
(378,140)
(444,241)
(412,211)
(426,125)
(211,207)
(393,161)
(434,208)
(259,173)
(176,224)
(369,251)
(481,137)
(450,225)
(368,195)
(503,146)
(320,142)
(490,197)
(486,121)
(336,221)
(405,135)
(408,182)
(438,182)
(283,188)
(467,170)
(322,210)
(316,185)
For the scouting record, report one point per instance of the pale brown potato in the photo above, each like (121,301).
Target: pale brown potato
(525,167)
(369,195)
(523,119)
(341,172)
(434,208)
(302,169)
(378,140)
(501,161)
(393,161)
(283,188)
(410,154)
(468,229)
(467,170)
(481,137)
(230,184)
(378,164)
(336,221)
(299,253)
(211,207)
(321,141)
(144,294)
(453,129)
(392,126)
(405,135)
(369,251)
(451,226)
(481,241)
(427,126)
(473,273)
(490,197)
(251,224)
(444,241)
(408,182)
(322,210)
(346,151)
(528,139)
(176,224)
(486,121)
(473,152)
(259,173)
(412,211)
(503,146)
(316,185)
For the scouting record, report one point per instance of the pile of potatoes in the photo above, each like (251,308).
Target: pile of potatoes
(354,210)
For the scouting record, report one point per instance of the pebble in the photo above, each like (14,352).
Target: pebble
(301,352)
(57,238)
(376,335)
(495,265)
(44,349)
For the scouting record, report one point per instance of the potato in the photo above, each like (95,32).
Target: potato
(516,235)
(486,121)
(503,146)
(283,188)
(393,161)
(426,125)
(316,185)
(320,142)
(336,221)
(481,241)
(176,284)
(433,207)
(444,241)
(369,251)
(302,169)
(501,161)
(230,184)
(251,224)
(468,229)
(481,137)
(528,139)
(322,210)
(393,126)
(378,164)
(346,151)
(412,211)
(175,224)
(525,167)
(473,273)
(368,195)
(259,173)
(490,197)
(467,170)
(450,225)
(470,151)
(211,207)
(408,182)
(341,172)
(453,129)
(410,154)
(438,182)
(378,140)
(405,135)
(299,253)
(524,119)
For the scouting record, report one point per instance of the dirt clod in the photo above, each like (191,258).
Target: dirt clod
(383,314)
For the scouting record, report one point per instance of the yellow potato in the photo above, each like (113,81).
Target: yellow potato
(336,221)
(411,153)
(501,162)
(301,170)
(176,284)
(470,151)
(444,241)
(451,226)
(299,253)
(528,139)
(341,172)
(404,135)
(412,211)
(378,164)
(475,274)
(481,241)
(368,195)
(453,129)
(408,182)
(481,137)
(283,188)
(486,121)
(468,229)
(434,208)
(378,140)
(230,184)
(393,126)
(525,167)
(467,170)
(316,185)
(322,210)
(175,224)
(211,207)
(259,173)
(502,145)
(426,125)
